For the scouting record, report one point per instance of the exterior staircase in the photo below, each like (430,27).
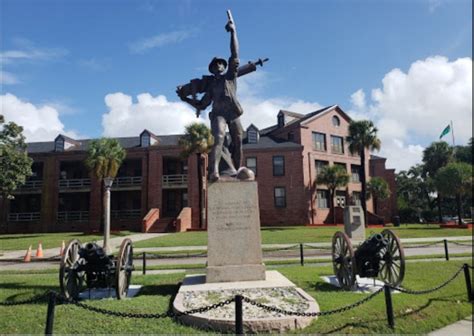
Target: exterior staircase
(162,225)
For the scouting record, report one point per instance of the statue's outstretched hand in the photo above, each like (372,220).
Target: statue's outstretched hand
(230,26)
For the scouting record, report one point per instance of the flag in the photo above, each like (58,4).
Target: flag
(445,131)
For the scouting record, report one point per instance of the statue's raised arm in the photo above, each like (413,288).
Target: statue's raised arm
(234,42)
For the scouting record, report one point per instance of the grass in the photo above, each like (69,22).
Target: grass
(302,234)
(9,242)
(413,313)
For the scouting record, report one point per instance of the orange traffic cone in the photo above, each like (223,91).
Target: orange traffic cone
(39,251)
(61,250)
(27,257)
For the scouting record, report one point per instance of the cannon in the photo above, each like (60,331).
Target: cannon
(88,266)
(381,255)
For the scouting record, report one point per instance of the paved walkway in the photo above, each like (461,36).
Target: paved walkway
(459,328)
(54,252)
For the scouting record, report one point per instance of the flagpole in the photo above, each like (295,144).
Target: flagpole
(452,132)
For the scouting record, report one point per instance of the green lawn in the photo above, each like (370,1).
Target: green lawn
(413,313)
(301,234)
(9,242)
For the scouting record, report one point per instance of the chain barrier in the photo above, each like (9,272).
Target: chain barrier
(281,248)
(144,315)
(431,290)
(424,245)
(320,313)
(326,248)
(460,244)
(172,256)
(34,299)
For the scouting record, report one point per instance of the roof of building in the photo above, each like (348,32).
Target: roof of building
(292,114)
(376,157)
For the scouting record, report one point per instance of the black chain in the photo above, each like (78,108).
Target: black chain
(281,248)
(34,299)
(320,313)
(423,245)
(431,290)
(146,316)
(460,244)
(172,256)
(318,247)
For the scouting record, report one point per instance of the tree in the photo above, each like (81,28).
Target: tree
(363,136)
(104,157)
(333,177)
(15,165)
(378,189)
(455,179)
(436,156)
(197,139)
(464,153)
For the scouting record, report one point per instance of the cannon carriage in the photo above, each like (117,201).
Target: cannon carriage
(88,266)
(381,255)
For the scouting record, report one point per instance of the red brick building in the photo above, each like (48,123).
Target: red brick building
(156,187)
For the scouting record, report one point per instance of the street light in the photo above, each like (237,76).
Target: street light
(108,181)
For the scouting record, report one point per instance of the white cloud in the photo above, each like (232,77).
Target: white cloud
(160,40)
(358,99)
(157,114)
(7,78)
(162,116)
(411,109)
(40,123)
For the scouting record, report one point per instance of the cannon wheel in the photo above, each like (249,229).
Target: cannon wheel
(392,265)
(124,268)
(343,260)
(70,281)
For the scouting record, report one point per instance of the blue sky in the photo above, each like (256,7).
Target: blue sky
(77,67)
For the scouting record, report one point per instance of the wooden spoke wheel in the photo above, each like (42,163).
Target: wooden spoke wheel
(70,279)
(343,260)
(392,265)
(124,268)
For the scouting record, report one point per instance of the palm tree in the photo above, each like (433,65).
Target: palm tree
(363,136)
(197,139)
(378,189)
(104,157)
(333,177)
(435,157)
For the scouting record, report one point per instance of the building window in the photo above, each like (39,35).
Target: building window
(355,173)
(278,165)
(342,165)
(323,199)
(335,121)
(280,197)
(251,163)
(252,136)
(59,145)
(319,165)
(356,198)
(281,120)
(145,140)
(341,199)
(319,141)
(337,144)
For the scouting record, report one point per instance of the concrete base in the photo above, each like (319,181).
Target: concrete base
(195,292)
(362,285)
(104,293)
(235,273)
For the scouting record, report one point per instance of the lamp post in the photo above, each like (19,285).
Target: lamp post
(108,181)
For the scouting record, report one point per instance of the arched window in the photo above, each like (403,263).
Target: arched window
(335,121)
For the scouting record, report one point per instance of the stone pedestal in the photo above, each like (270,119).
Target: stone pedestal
(354,222)
(234,251)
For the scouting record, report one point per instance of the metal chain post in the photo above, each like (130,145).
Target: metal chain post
(144,263)
(50,314)
(446,251)
(239,319)
(389,306)
(301,255)
(467,276)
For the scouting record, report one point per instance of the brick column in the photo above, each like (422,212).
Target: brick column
(155,174)
(49,195)
(95,204)
(193,190)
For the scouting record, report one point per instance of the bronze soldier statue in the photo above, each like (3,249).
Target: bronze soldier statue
(220,89)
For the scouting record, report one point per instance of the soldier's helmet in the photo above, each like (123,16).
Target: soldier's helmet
(216,60)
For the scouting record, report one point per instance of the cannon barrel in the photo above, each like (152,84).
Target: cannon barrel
(94,254)
(372,245)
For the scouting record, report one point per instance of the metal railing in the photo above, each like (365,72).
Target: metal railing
(73,216)
(125,214)
(75,183)
(174,181)
(24,216)
(32,184)
(127,181)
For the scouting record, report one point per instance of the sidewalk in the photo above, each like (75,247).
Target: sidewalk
(54,252)
(459,328)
